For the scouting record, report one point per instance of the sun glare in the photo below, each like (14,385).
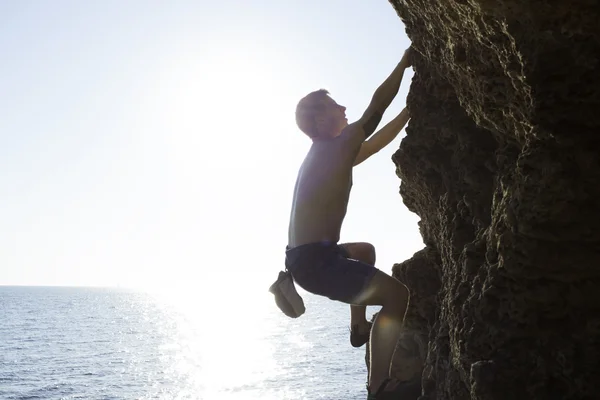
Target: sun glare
(219,91)
(226,117)
(221,111)
(223,106)
(226,328)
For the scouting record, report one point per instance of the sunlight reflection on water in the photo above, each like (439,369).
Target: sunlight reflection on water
(67,343)
(228,354)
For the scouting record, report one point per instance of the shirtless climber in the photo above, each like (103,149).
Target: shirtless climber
(345,272)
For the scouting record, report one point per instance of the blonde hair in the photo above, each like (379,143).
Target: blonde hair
(307,109)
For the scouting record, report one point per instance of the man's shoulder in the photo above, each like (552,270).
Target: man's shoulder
(351,137)
(351,133)
(354,132)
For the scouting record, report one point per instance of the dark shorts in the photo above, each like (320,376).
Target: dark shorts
(324,269)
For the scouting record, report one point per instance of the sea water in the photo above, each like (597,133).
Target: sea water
(95,343)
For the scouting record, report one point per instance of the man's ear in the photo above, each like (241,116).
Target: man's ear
(320,121)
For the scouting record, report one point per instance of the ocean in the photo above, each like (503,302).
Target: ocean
(100,343)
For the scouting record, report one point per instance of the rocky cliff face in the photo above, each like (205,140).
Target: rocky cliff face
(502,163)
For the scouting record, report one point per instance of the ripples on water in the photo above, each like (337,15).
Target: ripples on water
(82,343)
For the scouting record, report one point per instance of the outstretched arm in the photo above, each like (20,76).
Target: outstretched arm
(383,137)
(383,96)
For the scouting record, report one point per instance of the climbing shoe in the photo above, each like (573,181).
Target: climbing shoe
(286,296)
(357,339)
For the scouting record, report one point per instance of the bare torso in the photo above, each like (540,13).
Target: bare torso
(321,193)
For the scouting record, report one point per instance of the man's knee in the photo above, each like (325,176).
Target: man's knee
(396,299)
(361,251)
(401,292)
(384,290)
(395,293)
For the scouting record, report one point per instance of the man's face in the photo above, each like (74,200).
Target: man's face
(333,120)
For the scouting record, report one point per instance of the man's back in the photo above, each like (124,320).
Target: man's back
(321,193)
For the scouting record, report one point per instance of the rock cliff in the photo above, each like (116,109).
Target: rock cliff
(501,161)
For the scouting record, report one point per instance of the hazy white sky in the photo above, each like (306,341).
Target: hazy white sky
(153,142)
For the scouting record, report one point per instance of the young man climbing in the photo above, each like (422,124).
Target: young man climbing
(345,272)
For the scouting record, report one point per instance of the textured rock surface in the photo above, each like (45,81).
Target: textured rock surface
(502,163)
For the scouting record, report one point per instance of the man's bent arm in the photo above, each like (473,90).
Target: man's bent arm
(383,137)
(382,98)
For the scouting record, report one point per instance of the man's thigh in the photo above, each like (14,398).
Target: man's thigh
(331,273)
(347,277)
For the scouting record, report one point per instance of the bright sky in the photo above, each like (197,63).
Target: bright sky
(154,143)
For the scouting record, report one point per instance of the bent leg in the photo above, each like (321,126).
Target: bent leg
(393,296)
(364,252)
(324,270)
